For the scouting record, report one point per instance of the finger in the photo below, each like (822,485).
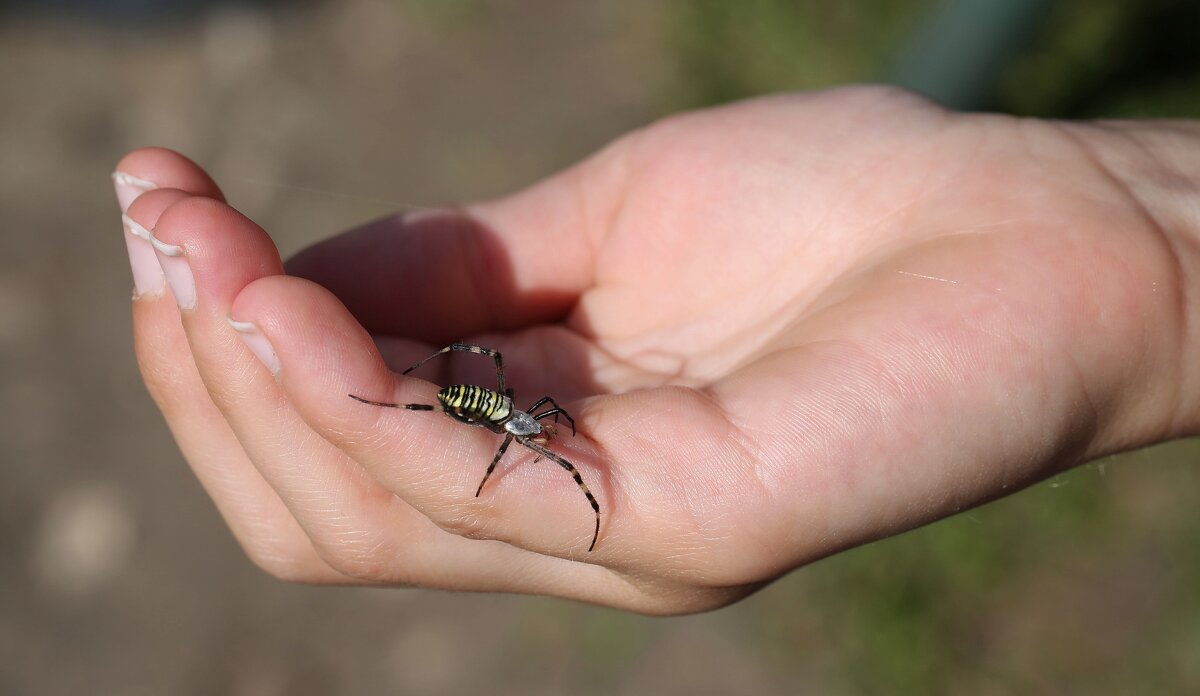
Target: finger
(432,461)
(357,524)
(254,513)
(440,275)
(152,168)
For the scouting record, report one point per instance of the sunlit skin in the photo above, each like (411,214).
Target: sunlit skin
(784,327)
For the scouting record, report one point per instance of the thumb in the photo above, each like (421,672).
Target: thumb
(440,275)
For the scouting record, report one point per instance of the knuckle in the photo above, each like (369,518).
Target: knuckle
(692,600)
(466,522)
(285,562)
(277,546)
(368,560)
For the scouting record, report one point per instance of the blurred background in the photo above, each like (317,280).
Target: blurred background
(118,577)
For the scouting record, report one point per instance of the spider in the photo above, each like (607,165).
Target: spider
(494,410)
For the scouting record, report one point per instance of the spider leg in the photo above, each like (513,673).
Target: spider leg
(499,453)
(385,404)
(478,350)
(552,412)
(574,474)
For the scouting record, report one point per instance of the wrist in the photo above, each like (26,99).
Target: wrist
(1158,164)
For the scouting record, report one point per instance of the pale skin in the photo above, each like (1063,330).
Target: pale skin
(784,327)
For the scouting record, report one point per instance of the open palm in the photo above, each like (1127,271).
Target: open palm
(784,327)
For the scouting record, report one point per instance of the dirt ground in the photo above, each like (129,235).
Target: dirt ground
(118,576)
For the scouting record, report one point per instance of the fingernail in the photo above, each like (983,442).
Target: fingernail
(179,274)
(257,342)
(129,187)
(148,279)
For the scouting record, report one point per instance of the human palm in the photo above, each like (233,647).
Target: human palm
(784,327)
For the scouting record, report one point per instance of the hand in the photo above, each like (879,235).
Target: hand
(784,327)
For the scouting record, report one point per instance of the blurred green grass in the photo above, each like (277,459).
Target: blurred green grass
(1022,587)
(724,51)
(1089,58)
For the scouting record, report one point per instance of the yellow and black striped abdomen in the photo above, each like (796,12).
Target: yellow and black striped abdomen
(475,403)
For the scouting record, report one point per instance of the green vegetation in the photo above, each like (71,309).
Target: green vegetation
(1088,58)
(730,50)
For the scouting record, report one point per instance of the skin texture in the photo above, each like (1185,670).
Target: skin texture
(784,327)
